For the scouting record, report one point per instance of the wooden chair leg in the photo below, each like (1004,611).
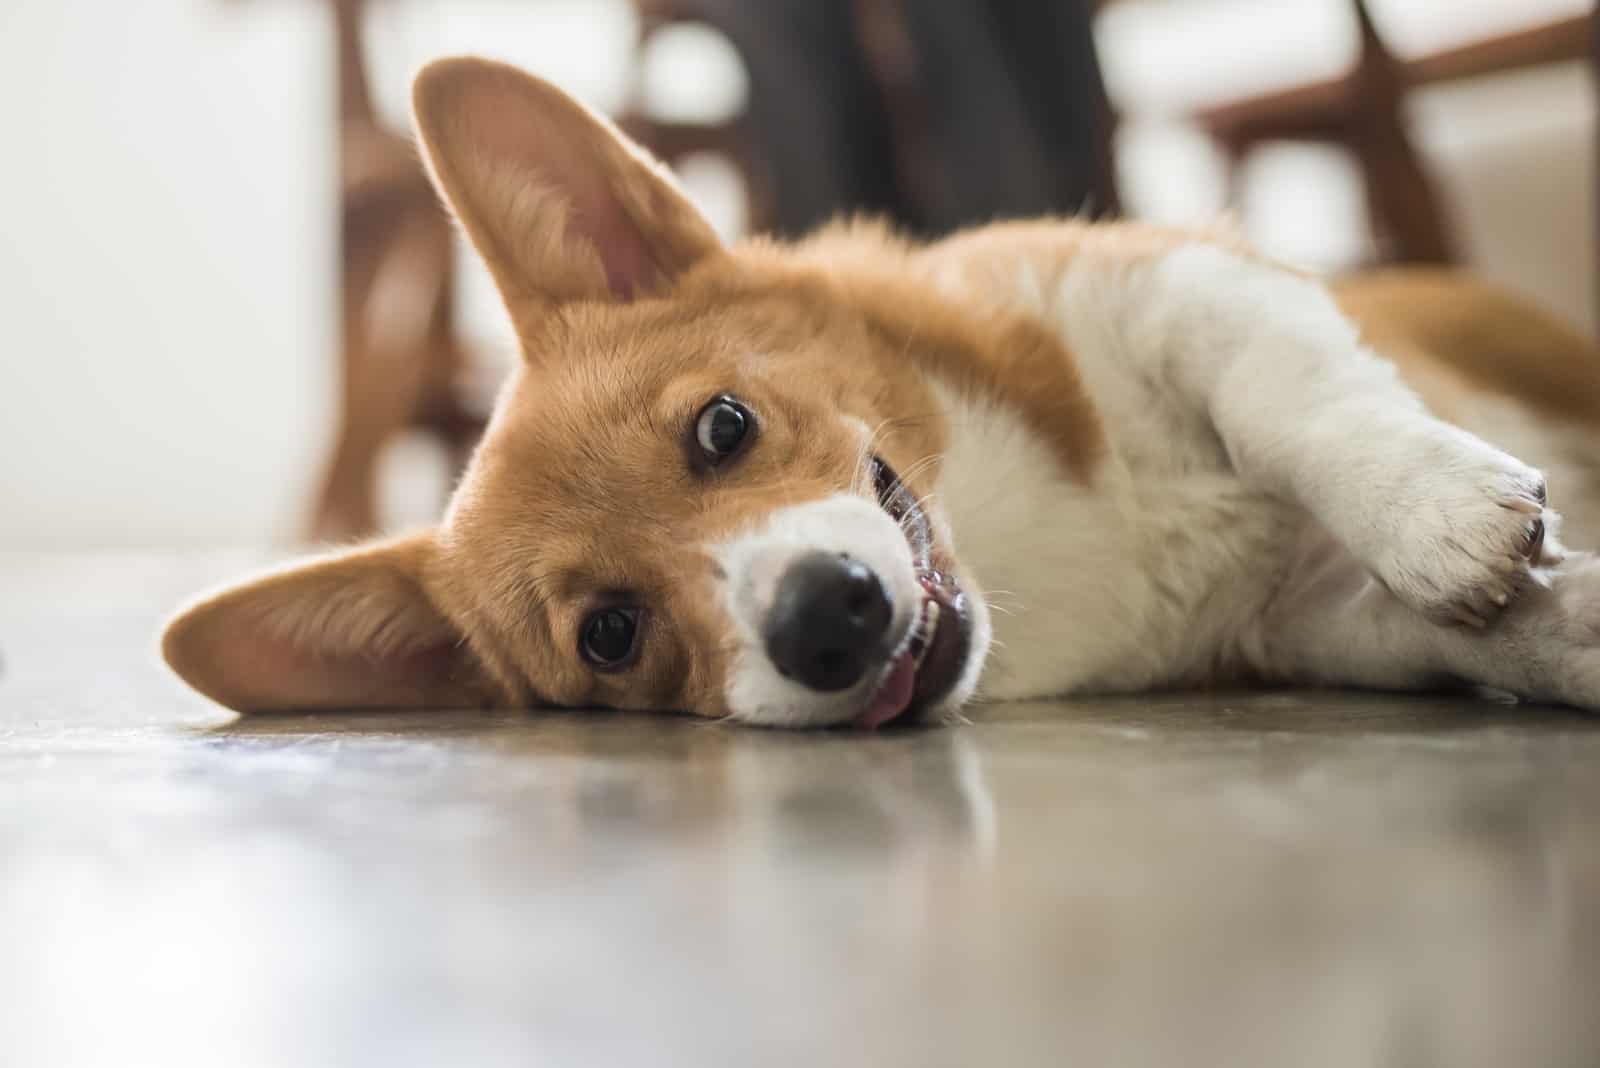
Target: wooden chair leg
(1405,207)
(399,356)
(395,297)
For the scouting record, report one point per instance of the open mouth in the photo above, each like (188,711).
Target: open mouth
(928,662)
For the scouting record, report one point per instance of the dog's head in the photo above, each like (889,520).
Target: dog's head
(704,489)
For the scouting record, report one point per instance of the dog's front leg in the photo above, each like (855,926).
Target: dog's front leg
(1449,523)
(1333,623)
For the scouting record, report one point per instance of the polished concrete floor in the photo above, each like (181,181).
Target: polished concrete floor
(1286,879)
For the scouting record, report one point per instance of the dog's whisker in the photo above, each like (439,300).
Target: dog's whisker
(916,469)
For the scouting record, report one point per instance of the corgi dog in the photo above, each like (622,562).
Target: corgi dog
(857,480)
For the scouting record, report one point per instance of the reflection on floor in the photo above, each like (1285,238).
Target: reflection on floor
(1306,879)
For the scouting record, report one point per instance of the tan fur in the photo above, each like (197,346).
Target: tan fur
(356,630)
(510,149)
(1449,332)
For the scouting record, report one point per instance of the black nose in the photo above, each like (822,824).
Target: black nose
(826,621)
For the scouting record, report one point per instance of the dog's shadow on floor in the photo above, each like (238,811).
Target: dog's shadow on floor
(1320,712)
(1296,711)
(585,731)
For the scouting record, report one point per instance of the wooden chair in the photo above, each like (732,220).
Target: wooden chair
(1362,111)
(675,141)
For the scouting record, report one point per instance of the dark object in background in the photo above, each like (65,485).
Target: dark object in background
(996,107)
(934,113)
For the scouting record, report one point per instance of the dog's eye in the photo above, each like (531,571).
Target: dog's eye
(723,428)
(609,637)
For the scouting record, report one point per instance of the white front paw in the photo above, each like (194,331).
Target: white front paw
(1462,537)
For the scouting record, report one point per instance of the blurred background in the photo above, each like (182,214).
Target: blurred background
(231,311)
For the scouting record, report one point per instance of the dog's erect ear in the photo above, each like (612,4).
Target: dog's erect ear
(355,630)
(560,205)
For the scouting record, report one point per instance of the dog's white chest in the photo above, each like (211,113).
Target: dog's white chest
(1124,584)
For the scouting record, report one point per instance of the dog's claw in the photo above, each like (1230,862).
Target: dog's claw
(1526,505)
(1535,541)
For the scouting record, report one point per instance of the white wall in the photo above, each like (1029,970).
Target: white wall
(165,268)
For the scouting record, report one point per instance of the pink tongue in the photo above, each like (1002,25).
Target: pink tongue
(893,696)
